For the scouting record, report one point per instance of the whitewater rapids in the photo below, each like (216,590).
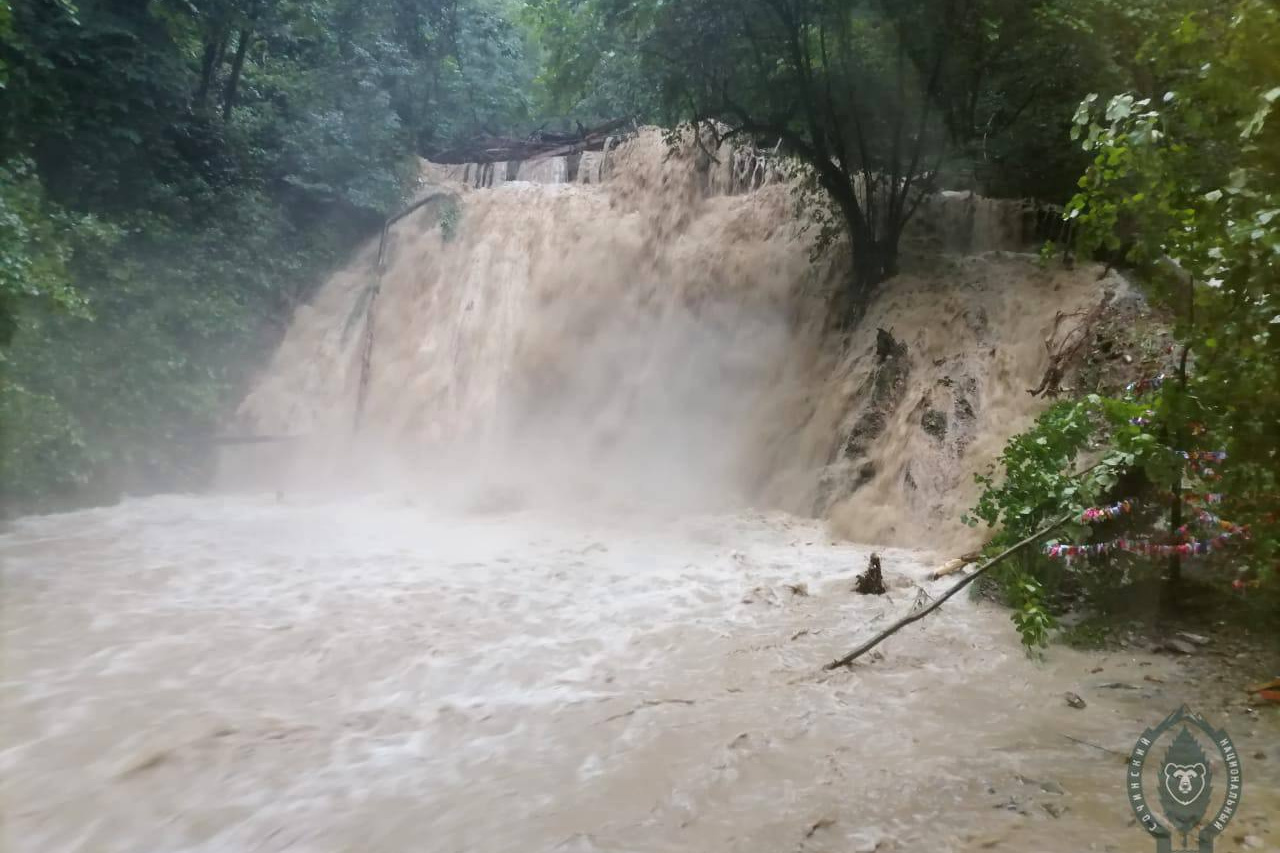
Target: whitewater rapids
(242,674)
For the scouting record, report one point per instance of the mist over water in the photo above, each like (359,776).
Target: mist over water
(660,337)
(623,339)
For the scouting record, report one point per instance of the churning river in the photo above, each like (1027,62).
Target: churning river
(243,674)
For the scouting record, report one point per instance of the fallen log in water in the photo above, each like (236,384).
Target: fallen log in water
(914,617)
(950,567)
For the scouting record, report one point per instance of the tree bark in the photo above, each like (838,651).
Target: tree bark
(214,51)
(237,66)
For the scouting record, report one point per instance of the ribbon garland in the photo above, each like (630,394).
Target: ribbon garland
(1145,384)
(1145,547)
(1202,455)
(1190,546)
(1095,514)
(1206,498)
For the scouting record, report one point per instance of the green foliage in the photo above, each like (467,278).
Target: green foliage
(1088,635)
(883,101)
(37,241)
(175,178)
(450,216)
(1184,184)
(1039,483)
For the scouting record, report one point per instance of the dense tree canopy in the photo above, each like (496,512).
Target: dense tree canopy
(884,100)
(174,177)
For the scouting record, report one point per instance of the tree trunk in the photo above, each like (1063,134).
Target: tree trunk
(214,51)
(874,262)
(237,65)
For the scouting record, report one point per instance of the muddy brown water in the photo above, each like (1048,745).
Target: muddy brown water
(374,674)
(425,664)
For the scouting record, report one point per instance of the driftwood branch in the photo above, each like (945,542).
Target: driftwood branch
(914,617)
(366,350)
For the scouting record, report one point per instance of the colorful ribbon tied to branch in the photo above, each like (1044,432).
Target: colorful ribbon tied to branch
(1144,547)
(1207,498)
(1203,455)
(1095,514)
(1145,384)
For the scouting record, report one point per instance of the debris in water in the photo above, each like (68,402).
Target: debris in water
(1074,700)
(801,590)
(649,703)
(821,823)
(950,567)
(871,582)
(761,593)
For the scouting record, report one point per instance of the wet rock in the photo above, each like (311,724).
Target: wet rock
(868,428)
(1074,700)
(865,473)
(1197,639)
(1048,786)
(1011,805)
(887,347)
(762,595)
(1181,647)
(889,380)
(934,423)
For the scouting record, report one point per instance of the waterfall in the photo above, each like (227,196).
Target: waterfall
(655,331)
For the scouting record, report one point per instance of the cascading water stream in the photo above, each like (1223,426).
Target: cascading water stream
(660,336)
